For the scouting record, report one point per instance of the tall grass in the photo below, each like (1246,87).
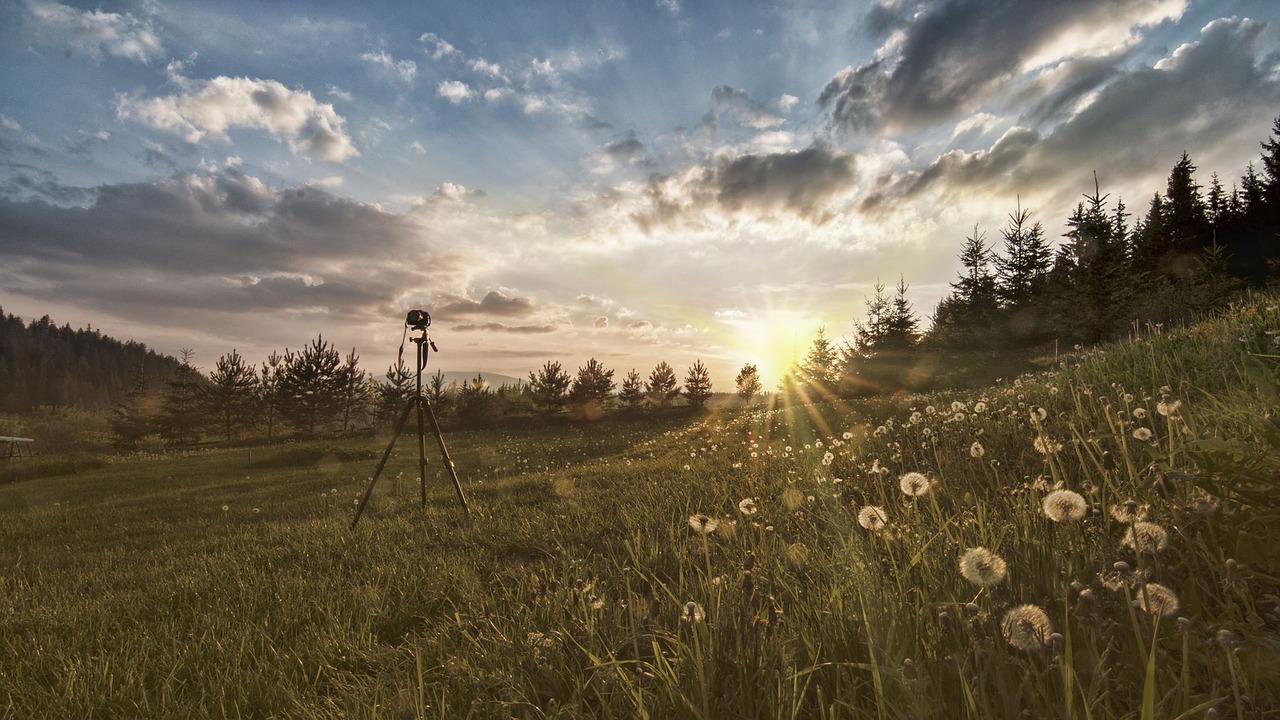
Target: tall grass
(584,585)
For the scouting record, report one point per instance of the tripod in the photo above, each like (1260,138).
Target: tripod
(417,402)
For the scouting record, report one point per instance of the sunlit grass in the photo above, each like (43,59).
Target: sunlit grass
(588,580)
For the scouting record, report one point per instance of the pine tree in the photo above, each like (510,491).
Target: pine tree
(312,386)
(353,389)
(181,418)
(747,382)
(632,392)
(394,394)
(1187,219)
(230,397)
(662,384)
(697,384)
(1095,304)
(549,387)
(868,336)
(270,396)
(134,417)
(594,384)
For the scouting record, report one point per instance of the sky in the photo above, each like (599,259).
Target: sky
(631,181)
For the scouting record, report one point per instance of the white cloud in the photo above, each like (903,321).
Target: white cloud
(455,91)
(215,106)
(94,32)
(337,92)
(786,102)
(440,48)
(406,69)
(496,94)
(671,6)
(417,147)
(485,67)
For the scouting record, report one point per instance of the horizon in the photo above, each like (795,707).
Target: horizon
(656,181)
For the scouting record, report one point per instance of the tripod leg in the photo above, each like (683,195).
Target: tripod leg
(422,451)
(444,454)
(404,415)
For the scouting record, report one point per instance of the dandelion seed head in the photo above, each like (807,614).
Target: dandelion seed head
(982,567)
(872,517)
(692,612)
(225,508)
(747,506)
(1157,599)
(1142,434)
(976,450)
(1039,413)
(1046,446)
(1027,627)
(1168,406)
(1064,505)
(980,407)
(1146,537)
(703,523)
(827,458)
(914,484)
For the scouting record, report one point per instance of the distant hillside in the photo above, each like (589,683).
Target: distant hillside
(43,364)
(494,379)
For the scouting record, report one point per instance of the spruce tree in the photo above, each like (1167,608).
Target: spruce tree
(697,384)
(270,396)
(394,394)
(181,418)
(822,364)
(353,389)
(1022,269)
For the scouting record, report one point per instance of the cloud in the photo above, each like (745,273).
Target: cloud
(484,67)
(93,32)
(1203,96)
(215,106)
(600,322)
(628,152)
(439,47)
(671,6)
(406,69)
(455,91)
(735,107)
(494,304)
(452,195)
(798,182)
(787,102)
(499,327)
(950,56)
(217,242)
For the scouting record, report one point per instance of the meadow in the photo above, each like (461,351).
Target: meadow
(1093,541)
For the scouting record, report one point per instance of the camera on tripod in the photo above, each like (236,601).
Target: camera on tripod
(418,320)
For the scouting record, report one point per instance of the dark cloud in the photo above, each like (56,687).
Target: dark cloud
(601,322)
(954,54)
(640,325)
(494,303)
(1205,95)
(499,327)
(211,243)
(801,183)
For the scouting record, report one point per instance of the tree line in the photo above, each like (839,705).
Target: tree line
(1194,250)
(319,390)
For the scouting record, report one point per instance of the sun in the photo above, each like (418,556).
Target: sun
(772,340)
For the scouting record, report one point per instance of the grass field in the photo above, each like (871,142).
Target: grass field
(1093,542)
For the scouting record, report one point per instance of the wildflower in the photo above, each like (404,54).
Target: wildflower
(257,510)
(1039,413)
(703,524)
(1140,413)
(847,436)
(1142,434)
(1027,627)
(827,458)
(1146,537)
(982,567)
(958,417)
(980,407)
(226,508)
(692,612)
(914,484)
(976,450)
(1157,599)
(872,517)
(956,406)
(1064,505)
(1168,406)
(930,409)
(747,506)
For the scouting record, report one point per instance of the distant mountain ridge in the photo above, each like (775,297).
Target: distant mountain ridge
(495,380)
